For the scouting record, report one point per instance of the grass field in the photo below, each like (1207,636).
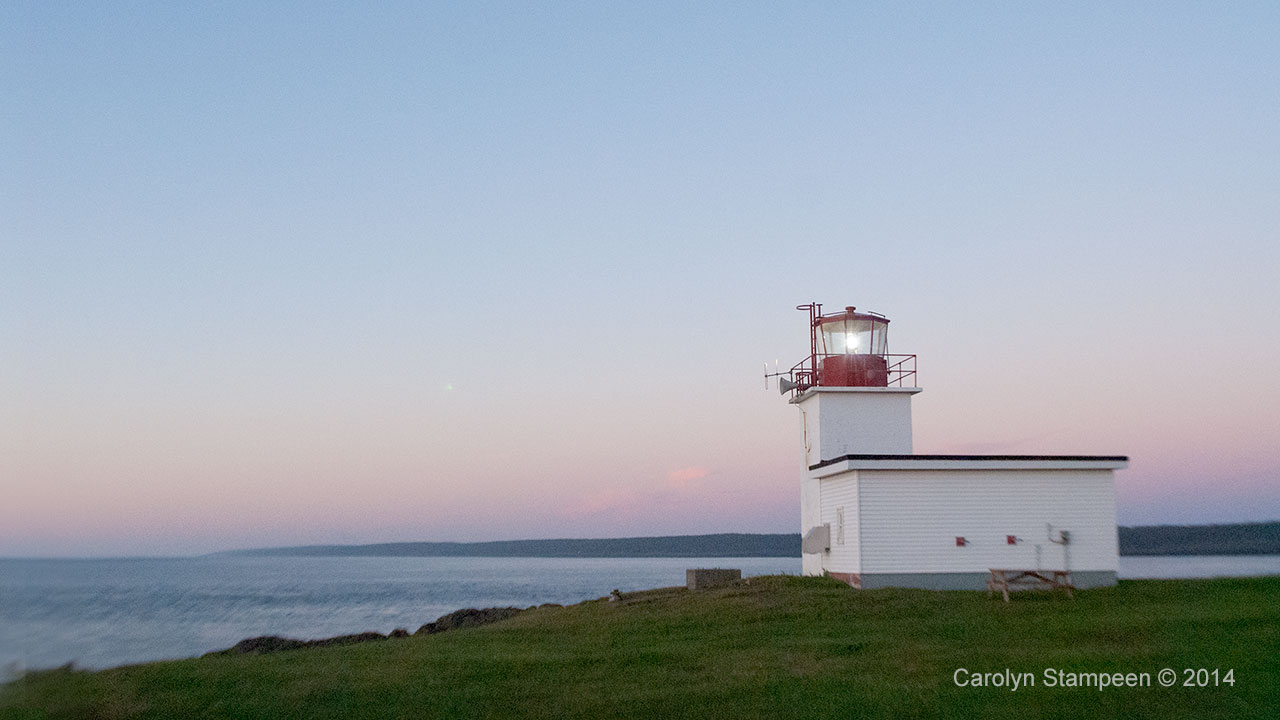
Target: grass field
(781,647)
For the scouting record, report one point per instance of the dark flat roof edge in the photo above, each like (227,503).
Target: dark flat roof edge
(999,458)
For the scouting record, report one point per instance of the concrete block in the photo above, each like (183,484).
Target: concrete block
(705,578)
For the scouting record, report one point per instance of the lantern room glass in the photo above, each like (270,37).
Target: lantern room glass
(857,335)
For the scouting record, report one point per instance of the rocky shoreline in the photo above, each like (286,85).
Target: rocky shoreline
(467,617)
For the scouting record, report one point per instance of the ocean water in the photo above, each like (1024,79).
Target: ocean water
(103,613)
(1170,567)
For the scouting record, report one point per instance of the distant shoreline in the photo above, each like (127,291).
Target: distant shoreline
(668,546)
(1147,540)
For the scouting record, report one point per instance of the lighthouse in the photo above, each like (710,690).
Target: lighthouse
(875,514)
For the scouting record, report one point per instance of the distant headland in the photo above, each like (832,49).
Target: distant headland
(1231,539)
(719,545)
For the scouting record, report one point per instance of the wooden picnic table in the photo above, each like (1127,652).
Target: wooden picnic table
(1004,580)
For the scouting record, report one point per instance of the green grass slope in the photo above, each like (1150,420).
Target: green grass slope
(778,647)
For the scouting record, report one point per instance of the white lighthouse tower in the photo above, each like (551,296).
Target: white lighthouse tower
(874,514)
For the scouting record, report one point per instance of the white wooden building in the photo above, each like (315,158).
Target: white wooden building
(876,515)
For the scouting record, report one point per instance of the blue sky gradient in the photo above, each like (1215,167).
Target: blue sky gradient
(287,273)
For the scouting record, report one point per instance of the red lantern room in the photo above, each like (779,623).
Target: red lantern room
(851,349)
(848,349)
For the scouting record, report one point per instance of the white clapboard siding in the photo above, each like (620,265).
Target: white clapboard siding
(911,518)
(840,500)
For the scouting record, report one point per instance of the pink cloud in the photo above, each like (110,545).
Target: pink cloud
(599,502)
(639,499)
(680,478)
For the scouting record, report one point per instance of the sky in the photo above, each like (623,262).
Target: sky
(293,273)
